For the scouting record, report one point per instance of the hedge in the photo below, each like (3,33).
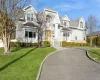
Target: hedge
(65,44)
(22,44)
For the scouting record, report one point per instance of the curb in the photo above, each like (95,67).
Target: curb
(91,57)
(40,69)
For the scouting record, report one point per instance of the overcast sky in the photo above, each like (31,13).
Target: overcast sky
(72,8)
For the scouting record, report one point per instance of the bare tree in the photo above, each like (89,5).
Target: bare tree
(41,18)
(10,12)
(91,25)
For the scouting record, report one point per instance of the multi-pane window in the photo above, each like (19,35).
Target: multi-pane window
(30,34)
(81,24)
(30,17)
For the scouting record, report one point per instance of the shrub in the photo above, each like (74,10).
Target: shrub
(46,44)
(35,44)
(23,44)
(64,43)
(15,44)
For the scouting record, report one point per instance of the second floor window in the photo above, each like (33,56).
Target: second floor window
(30,17)
(81,24)
(65,23)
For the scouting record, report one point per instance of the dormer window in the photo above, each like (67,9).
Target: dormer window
(81,24)
(30,17)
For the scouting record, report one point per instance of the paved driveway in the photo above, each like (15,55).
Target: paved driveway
(70,64)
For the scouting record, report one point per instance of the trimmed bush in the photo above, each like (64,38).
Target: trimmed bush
(23,44)
(65,44)
(46,44)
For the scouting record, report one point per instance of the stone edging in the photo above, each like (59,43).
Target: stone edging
(40,69)
(91,57)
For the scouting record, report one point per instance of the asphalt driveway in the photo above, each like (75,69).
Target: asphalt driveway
(70,64)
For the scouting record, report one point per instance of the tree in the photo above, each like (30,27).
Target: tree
(41,19)
(91,25)
(10,12)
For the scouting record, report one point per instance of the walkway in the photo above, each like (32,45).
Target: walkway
(70,64)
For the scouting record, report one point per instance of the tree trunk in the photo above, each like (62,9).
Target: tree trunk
(91,41)
(6,43)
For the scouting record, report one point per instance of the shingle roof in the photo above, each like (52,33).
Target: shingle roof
(74,23)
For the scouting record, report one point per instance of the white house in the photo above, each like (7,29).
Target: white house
(57,28)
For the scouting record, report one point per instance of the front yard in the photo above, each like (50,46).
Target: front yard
(22,64)
(95,53)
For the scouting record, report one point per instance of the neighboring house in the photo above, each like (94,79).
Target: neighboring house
(57,28)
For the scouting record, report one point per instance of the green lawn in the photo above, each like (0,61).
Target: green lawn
(95,53)
(23,64)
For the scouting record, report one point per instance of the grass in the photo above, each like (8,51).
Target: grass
(95,53)
(22,64)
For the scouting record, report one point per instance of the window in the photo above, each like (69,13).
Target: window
(75,37)
(30,17)
(48,18)
(34,34)
(64,34)
(65,23)
(81,24)
(30,34)
(26,34)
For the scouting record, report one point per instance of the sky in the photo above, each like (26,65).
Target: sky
(72,8)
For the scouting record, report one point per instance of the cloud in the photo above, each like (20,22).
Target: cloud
(68,7)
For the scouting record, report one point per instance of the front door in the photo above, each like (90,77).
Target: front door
(48,35)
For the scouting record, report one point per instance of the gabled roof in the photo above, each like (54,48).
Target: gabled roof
(65,18)
(50,10)
(30,6)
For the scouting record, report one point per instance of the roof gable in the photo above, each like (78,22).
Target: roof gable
(65,18)
(30,7)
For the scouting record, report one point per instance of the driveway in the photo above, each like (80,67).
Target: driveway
(70,64)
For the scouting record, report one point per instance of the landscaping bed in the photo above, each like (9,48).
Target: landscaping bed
(22,64)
